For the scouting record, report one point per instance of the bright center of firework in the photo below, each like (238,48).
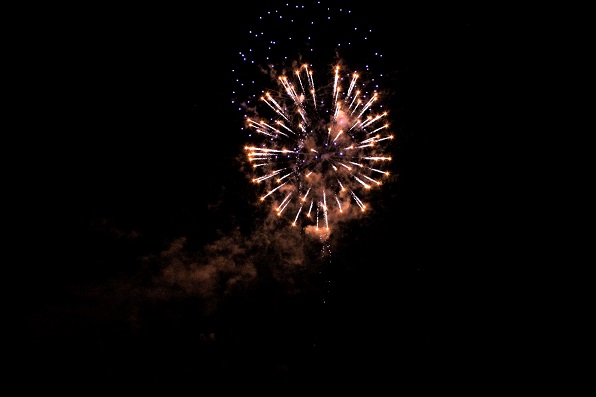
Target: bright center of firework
(322,146)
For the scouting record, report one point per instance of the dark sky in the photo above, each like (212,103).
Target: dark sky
(149,266)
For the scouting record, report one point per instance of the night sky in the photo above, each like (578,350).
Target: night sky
(149,263)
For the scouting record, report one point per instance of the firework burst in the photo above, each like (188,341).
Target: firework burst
(320,147)
(318,140)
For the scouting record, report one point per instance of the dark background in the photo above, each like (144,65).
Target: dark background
(141,137)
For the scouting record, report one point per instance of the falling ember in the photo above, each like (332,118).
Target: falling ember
(319,143)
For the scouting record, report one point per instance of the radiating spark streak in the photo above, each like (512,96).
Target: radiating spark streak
(310,208)
(384,138)
(262,149)
(372,120)
(338,203)
(337,110)
(272,190)
(261,156)
(289,89)
(269,100)
(306,194)
(335,87)
(257,127)
(272,128)
(352,84)
(337,136)
(368,104)
(358,122)
(325,210)
(261,131)
(367,186)
(297,214)
(279,211)
(301,113)
(357,164)
(360,204)
(371,179)
(356,101)
(379,171)
(285,176)
(260,125)
(379,129)
(311,83)
(284,203)
(377,158)
(285,126)
(297,73)
(264,177)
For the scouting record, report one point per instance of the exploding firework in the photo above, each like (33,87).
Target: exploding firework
(320,147)
(318,139)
